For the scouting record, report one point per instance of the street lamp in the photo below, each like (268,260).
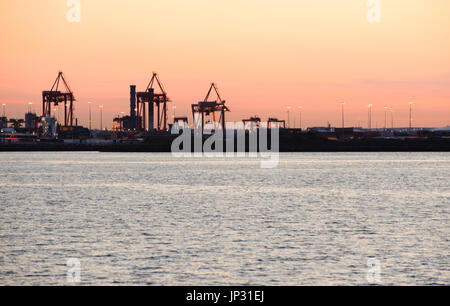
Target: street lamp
(300,108)
(289,116)
(174,113)
(392,117)
(101,117)
(343,114)
(370,116)
(90,115)
(410,114)
(385,117)
(343,119)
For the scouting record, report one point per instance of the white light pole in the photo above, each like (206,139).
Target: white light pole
(300,109)
(410,114)
(392,117)
(174,113)
(370,116)
(385,117)
(101,117)
(343,119)
(289,116)
(90,115)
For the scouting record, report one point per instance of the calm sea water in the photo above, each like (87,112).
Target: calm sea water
(150,219)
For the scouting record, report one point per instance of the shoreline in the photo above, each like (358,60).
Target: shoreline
(287,145)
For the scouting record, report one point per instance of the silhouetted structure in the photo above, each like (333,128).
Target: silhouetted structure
(54,97)
(153,99)
(31,122)
(256,120)
(133,109)
(16,123)
(3,122)
(207,108)
(277,123)
(125,123)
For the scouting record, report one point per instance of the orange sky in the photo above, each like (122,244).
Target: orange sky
(264,55)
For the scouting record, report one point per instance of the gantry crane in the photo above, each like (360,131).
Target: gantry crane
(277,123)
(207,108)
(153,99)
(253,120)
(55,96)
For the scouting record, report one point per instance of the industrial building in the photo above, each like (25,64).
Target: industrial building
(31,123)
(3,122)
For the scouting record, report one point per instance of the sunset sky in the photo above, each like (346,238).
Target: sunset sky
(264,55)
